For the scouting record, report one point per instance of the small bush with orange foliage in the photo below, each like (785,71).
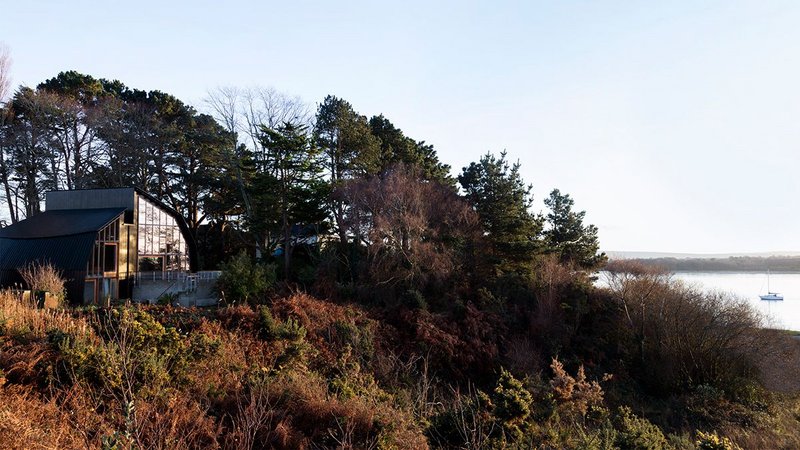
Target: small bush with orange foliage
(575,395)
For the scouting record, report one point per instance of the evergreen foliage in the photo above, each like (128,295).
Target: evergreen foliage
(243,281)
(414,339)
(288,190)
(503,202)
(396,148)
(567,236)
(349,150)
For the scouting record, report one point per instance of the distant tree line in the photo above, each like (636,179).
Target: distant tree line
(730,264)
(263,167)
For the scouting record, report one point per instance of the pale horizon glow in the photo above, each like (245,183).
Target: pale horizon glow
(675,125)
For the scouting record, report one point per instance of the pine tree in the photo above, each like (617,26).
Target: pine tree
(396,148)
(503,201)
(348,148)
(289,189)
(567,236)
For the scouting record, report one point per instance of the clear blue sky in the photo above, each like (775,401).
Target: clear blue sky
(675,125)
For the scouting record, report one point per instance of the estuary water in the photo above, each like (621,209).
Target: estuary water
(781,314)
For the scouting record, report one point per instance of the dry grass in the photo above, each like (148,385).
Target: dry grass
(177,422)
(20,317)
(28,422)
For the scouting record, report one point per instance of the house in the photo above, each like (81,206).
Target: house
(108,243)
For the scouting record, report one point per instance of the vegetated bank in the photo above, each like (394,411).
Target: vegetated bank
(643,364)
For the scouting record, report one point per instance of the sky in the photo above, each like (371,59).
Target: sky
(674,125)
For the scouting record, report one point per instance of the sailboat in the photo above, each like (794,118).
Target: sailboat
(771,296)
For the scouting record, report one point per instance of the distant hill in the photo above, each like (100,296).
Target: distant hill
(717,263)
(658,255)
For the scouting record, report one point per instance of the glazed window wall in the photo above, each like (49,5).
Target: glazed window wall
(103,261)
(161,246)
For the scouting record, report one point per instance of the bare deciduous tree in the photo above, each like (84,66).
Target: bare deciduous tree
(684,335)
(243,112)
(408,225)
(270,108)
(5,72)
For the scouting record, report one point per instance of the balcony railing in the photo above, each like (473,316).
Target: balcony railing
(179,276)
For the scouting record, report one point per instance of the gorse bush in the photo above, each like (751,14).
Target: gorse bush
(270,328)
(359,339)
(638,433)
(712,441)
(244,281)
(453,284)
(306,373)
(511,403)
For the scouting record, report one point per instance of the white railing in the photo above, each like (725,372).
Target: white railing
(161,276)
(181,276)
(208,275)
(193,279)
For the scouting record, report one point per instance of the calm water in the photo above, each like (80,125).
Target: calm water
(785,314)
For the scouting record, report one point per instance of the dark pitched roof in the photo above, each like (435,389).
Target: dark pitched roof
(66,222)
(67,253)
(63,238)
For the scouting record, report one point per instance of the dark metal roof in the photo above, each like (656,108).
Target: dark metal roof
(67,253)
(66,222)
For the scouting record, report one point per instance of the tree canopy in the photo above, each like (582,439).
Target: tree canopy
(503,202)
(257,168)
(567,236)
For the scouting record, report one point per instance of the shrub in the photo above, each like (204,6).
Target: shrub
(242,280)
(602,438)
(680,337)
(292,331)
(477,420)
(512,402)
(44,277)
(168,298)
(359,338)
(712,441)
(270,329)
(638,433)
(465,423)
(413,299)
(574,394)
(136,354)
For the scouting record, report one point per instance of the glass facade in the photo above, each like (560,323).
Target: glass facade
(104,253)
(103,267)
(161,246)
